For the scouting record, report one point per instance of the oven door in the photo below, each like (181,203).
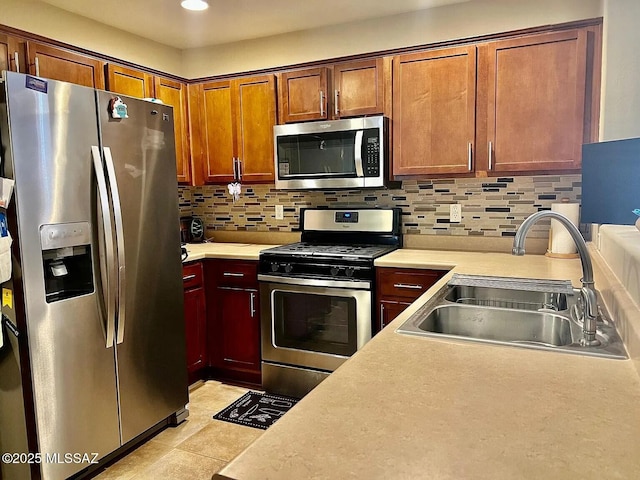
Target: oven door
(311,323)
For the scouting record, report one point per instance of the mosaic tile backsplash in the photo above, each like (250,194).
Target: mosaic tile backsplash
(491,207)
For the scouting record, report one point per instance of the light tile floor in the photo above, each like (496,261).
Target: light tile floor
(195,449)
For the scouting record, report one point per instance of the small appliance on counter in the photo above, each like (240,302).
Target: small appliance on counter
(191,230)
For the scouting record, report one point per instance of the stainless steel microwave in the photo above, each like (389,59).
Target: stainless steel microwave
(331,154)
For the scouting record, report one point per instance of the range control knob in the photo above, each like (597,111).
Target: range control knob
(334,271)
(274,267)
(288,267)
(349,271)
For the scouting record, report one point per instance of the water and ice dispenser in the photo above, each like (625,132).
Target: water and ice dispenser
(67,260)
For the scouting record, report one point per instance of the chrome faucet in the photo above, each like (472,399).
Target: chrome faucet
(588,293)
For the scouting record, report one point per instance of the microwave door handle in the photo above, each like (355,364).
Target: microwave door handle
(358,154)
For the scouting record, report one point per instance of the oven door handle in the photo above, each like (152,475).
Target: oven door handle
(312,282)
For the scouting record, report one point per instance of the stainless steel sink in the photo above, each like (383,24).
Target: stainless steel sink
(507,298)
(534,314)
(498,325)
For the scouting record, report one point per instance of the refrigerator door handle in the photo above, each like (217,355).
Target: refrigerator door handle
(117,215)
(110,296)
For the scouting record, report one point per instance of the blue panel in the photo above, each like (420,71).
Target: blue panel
(611,182)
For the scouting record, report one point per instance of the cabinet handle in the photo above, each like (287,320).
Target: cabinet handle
(37,67)
(188,277)
(470,155)
(381,316)
(335,102)
(406,285)
(232,274)
(490,155)
(239,169)
(235,171)
(252,297)
(16,59)
(321,103)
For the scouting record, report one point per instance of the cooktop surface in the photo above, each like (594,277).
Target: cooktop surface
(331,250)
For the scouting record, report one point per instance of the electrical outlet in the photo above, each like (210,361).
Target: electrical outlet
(455,213)
(279,212)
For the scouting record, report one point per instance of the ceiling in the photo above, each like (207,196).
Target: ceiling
(227,21)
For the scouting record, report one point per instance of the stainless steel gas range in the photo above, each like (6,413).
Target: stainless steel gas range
(317,296)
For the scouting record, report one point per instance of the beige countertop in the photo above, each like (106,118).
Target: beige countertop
(410,407)
(239,251)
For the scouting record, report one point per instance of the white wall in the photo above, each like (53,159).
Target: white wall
(620,107)
(51,22)
(468,19)
(472,18)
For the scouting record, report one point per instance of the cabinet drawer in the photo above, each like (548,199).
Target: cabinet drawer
(232,273)
(192,275)
(406,283)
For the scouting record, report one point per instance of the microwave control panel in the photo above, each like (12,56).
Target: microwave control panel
(371,155)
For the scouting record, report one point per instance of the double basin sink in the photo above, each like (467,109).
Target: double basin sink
(539,314)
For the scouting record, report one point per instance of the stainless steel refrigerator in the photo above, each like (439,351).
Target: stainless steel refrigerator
(96,288)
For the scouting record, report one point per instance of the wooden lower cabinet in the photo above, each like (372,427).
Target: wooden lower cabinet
(397,288)
(233,320)
(195,319)
(388,311)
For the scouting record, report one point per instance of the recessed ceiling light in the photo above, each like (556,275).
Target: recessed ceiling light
(194,4)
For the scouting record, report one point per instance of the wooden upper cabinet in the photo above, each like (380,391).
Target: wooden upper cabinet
(12,56)
(434,105)
(129,82)
(302,95)
(214,158)
(255,115)
(58,64)
(175,94)
(536,101)
(234,129)
(358,88)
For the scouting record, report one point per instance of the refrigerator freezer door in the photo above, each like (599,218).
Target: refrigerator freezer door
(53,126)
(151,350)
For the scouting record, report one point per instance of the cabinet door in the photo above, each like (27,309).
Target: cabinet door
(129,82)
(434,102)
(217,135)
(358,88)
(536,102)
(12,54)
(303,95)
(240,329)
(255,115)
(58,64)
(175,94)
(196,328)
(388,311)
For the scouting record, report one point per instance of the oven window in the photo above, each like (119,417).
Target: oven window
(318,323)
(321,155)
